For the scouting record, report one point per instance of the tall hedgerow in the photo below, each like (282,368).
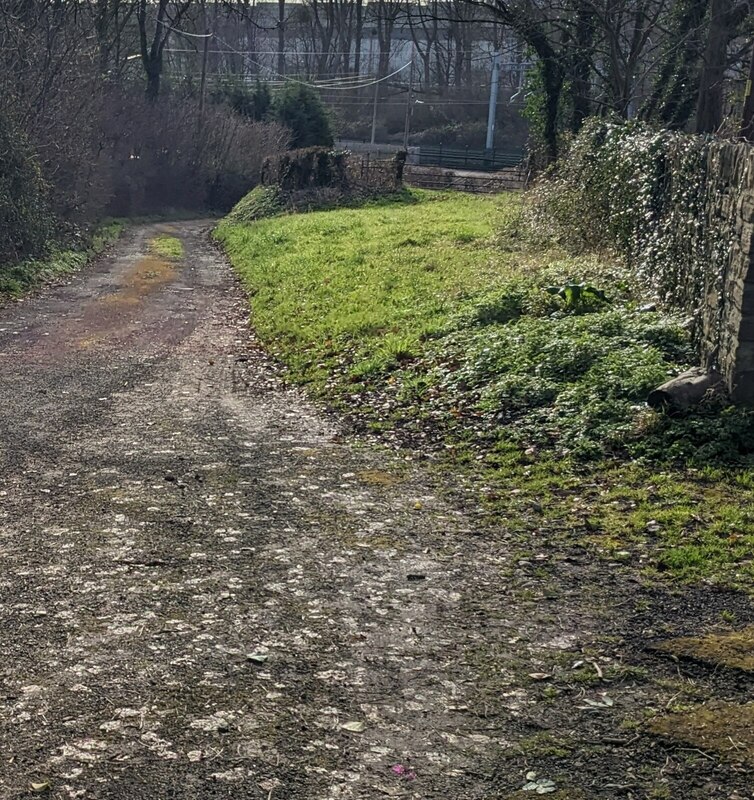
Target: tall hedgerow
(25,221)
(650,196)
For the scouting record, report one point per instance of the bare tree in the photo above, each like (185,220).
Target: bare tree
(156,22)
(725,20)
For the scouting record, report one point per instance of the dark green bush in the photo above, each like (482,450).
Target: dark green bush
(252,102)
(300,109)
(646,195)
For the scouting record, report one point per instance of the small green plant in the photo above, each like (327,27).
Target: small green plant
(579,297)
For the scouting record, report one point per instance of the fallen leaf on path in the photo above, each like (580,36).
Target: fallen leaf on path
(257,658)
(542,786)
(595,705)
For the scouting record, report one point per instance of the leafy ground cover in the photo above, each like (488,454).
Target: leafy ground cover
(19,278)
(430,323)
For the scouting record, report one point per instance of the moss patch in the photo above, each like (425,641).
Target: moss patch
(148,275)
(169,247)
(377,477)
(734,649)
(724,728)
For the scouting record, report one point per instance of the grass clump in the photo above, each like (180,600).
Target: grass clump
(427,326)
(361,283)
(260,203)
(168,247)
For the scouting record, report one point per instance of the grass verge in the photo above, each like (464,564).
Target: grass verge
(429,323)
(20,278)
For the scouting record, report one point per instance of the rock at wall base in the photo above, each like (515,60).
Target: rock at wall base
(686,391)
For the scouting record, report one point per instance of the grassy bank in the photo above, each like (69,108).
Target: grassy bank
(19,278)
(429,323)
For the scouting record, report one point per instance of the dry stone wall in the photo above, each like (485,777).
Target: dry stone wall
(728,304)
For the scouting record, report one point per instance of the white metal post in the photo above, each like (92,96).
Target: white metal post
(494,84)
(409,99)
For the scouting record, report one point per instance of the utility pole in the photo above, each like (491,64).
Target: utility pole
(203,84)
(409,98)
(376,85)
(494,85)
(374,107)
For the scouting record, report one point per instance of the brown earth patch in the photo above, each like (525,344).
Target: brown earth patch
(148,275)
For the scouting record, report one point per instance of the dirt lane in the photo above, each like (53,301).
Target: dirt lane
(208,591)
(203,594)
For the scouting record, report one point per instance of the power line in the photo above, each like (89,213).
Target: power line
(184,33)
(364,51)
(312,85)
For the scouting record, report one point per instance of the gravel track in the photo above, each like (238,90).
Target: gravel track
(209,590)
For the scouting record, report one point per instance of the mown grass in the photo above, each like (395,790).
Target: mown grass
(17,279)
(366,283)
(430,323)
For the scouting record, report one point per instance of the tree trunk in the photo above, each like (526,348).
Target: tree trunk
(676,87)
(723,25)
(552,76)
(102,27)
(281,37)
(747,121)
(154,74)
(581,65)
(358,36)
